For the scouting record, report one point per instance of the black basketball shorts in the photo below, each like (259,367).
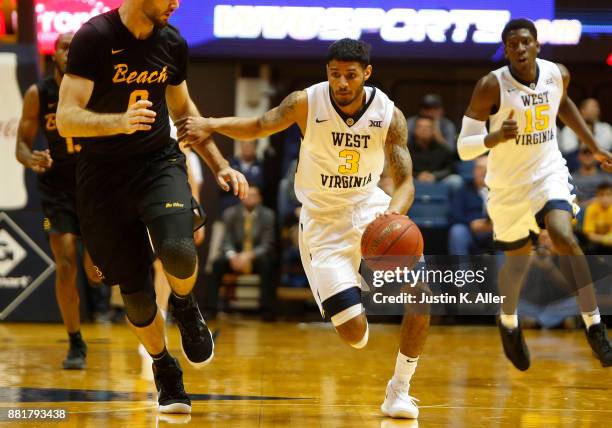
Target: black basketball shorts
(116,199)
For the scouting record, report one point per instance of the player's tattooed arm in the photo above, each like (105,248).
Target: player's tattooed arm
(74,120)
(399,163)
(570,115)
(37,160)
(293,109)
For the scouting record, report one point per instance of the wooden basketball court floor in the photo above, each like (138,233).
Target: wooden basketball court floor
(301,375)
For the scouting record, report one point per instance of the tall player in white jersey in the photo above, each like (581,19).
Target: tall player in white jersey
(528,180)
(349,130)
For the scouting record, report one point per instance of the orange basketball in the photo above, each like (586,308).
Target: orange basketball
(392,235)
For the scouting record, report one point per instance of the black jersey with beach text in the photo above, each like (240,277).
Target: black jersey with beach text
(63,150)
(124,70)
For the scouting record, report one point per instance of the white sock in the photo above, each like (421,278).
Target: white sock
(404,369)
(509,321)
(591,318)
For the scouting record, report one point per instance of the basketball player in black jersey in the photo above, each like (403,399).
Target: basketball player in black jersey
(56,183)
(126,71)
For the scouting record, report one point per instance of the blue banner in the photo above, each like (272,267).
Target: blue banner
(269,28)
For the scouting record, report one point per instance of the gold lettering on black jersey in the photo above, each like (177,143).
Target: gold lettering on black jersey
(122,75)
(50,122)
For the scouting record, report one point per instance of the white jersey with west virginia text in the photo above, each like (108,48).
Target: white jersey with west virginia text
(534,153)
(341,158)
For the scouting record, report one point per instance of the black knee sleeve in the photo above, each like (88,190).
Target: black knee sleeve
(172,237)
(179,256)
(140,308)
(139,300)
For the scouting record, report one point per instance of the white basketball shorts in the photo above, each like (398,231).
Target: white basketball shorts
(331,253)
(518,212)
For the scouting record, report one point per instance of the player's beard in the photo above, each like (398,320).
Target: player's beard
(155,17)
(359,93)
(159,23)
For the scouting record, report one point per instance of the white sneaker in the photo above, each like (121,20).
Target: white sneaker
(398,404)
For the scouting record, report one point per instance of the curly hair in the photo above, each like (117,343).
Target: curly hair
(349,50)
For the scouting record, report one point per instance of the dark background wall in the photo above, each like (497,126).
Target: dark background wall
(212,83)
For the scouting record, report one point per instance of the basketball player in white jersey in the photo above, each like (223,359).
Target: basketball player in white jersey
(348,132)
(528,180)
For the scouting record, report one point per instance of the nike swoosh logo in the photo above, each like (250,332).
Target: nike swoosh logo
(51,105)
(320,121)
(116,51)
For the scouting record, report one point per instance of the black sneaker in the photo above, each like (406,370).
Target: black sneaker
(598,339)
(196,340)
(171,395)
(75,360)
(514,344)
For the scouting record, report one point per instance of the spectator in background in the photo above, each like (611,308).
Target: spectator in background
(288,203)
(247,163)
(568,140)
(598,221)
(587,177)
(291,141)
(292,271)
(248,247)
(471,230)
(444,130)
(431,161)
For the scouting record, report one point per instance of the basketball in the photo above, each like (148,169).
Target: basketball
(392,235)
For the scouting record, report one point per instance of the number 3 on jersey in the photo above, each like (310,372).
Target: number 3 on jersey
(138,94)
(351,157)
